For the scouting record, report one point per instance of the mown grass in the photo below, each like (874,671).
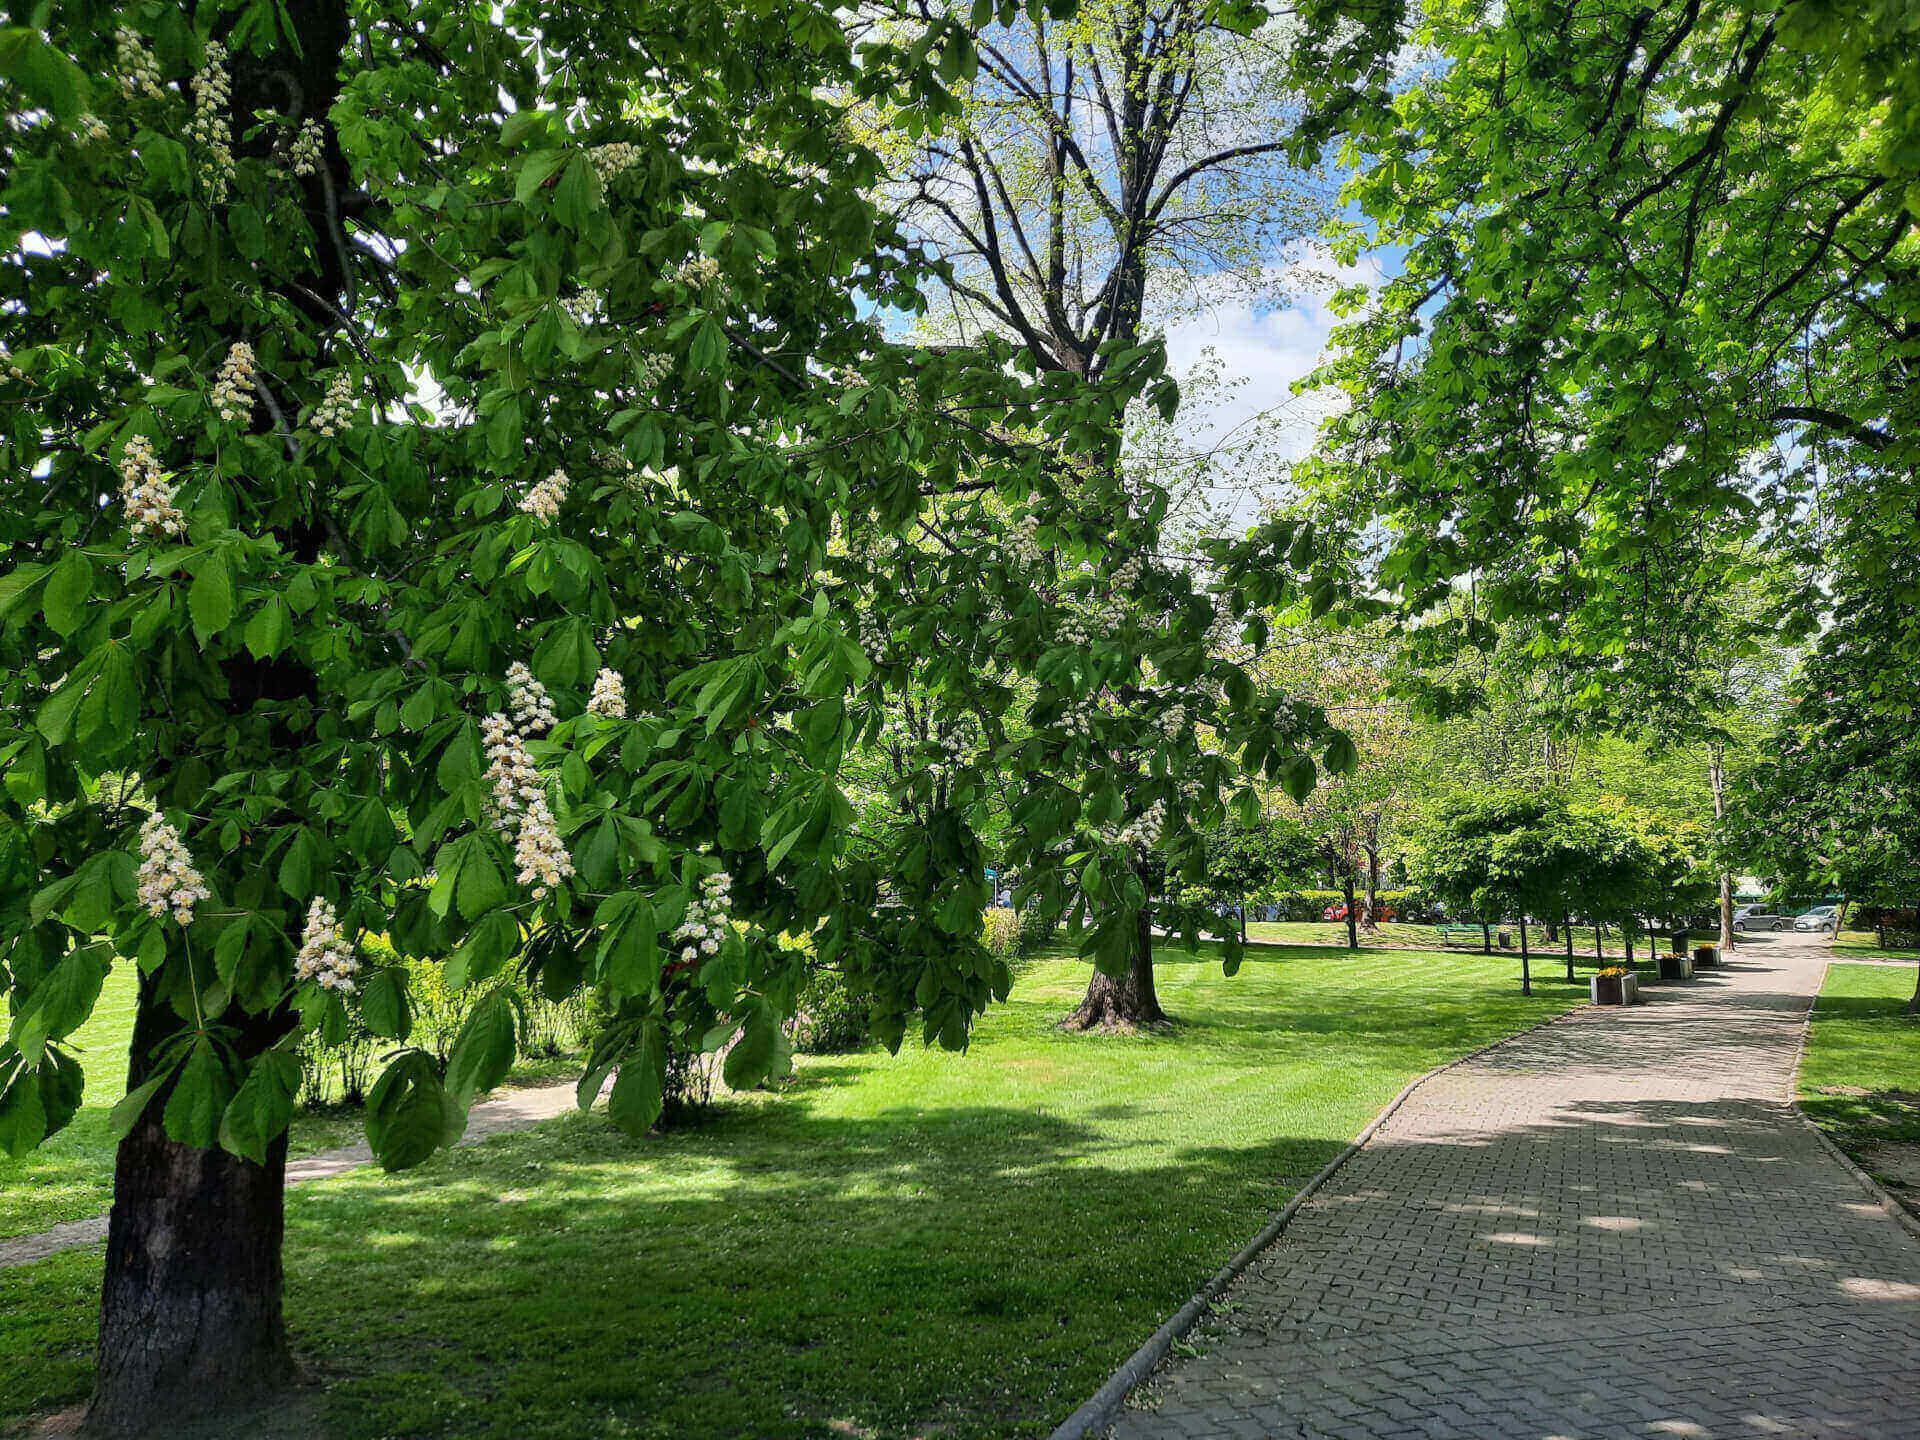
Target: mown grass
(929,1243)
(1865,945)
(1860,1076)
(71,1176)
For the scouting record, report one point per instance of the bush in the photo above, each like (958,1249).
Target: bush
(828,1020)
(548,1029)
(1002,934)
(1037,929)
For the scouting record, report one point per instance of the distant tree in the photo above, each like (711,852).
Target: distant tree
(1503,855)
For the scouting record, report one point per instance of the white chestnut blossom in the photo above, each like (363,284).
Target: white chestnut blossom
(325,954)
(151,513)
(698,272)
(92,128)
(609,696)
(168,880)
(1172,721)
(611,161)
(139,71)
(532,705)
(1127,575)
(335,411)
(304,154)
(211,128)
(708,915)
(543,501)
(233,387)
(1145,828)
(542,858)
(652,368)
(9,364)
(510,774)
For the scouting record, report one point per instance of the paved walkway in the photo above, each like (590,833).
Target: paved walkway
(1611,1227)
(508,1110)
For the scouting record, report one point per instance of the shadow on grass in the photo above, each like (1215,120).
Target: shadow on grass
(778,1273)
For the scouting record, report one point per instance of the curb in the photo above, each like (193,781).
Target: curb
(1100,1410)
(1877,1192)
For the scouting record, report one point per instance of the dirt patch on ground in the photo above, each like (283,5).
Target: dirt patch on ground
(1896,1165)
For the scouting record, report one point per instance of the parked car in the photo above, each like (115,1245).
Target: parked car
(1759,917)
(1381,913)
(1820,917)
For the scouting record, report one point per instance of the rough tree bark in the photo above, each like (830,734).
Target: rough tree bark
(1717,777)
(1353,925)
(1123,1002)
(190,1304)
(1526,966)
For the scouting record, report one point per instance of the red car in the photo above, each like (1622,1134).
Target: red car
(1339,912)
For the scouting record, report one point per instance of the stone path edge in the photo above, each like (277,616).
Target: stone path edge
(1096,1415)
(1879,1193)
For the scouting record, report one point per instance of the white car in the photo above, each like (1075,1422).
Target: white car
(1821,917)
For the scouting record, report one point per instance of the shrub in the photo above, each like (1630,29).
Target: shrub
(828,1019)
(1002,934)
(1037,929)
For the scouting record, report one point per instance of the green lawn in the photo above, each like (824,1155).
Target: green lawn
(1860,1077)
(1865,945)
(930,1243)
(71,1176)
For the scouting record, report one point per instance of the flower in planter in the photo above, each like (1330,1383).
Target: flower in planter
(1615,972)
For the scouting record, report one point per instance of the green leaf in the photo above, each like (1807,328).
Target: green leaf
(1298,775)
(484,1053)
(199,1097)
(266,633)
(383,1004)
(639,1091)
(758,1055)
(296,866)
(23,1112)
(409,1114)
(629,950)
(536,170)
(210,599)
(1341,755)
(61,1002)
(64,601)
(262,1108)
(133,1105)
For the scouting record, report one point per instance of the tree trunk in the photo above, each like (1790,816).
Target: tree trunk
(1123,1002)
(190,1304)
(1913,1005)
(1373,887)
(1567,926)
(1353,923)
(1243,919)
(1717,775)
(1486,938)
(1526,968)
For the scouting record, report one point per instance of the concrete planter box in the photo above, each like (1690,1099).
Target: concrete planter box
(1616,989)
(1706,957)
(1676,967)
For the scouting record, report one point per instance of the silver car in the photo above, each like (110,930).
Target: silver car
(1759,917)
(1820,918)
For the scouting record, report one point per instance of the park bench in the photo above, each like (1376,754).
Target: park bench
(1460,934)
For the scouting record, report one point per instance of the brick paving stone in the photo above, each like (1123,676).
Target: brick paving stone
(1613,1226)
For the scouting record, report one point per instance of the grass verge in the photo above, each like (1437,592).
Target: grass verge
(895,1245)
